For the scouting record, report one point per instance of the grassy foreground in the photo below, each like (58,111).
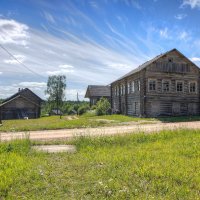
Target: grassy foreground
(157,166)
(54,122)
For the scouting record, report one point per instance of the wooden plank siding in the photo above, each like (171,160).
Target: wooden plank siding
(172,68)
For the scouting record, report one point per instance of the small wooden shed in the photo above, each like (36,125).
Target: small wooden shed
(95,92)
(23,104)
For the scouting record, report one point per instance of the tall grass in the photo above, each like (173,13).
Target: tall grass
(156,166)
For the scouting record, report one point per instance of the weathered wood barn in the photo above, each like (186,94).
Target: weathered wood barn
(23,104)
(95,92)
(167,85)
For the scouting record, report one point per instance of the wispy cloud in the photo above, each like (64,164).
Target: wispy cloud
(63,70)
(134,3)
(192,3)
(184,36)
(180,16)
(49,17)
(164,33)
(20,58)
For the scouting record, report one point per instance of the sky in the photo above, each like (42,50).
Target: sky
(91,42)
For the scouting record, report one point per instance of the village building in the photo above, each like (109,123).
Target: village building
(23,105)
(96,92)
(167,85)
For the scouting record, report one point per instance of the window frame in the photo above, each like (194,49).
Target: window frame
(132,86)
(165,80)
(128,87)
(195,82)
(177,81)
(152,79)
(138,82)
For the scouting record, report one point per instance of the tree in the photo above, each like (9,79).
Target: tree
(56,86)
(103,107)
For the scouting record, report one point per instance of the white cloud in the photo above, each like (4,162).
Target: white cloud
(13,32)
(60,72)
(49,55)
(195,59)
(31,84)
(66,66)
(191,3)
(1,73)
(180,16)
(71,94)
(12,61)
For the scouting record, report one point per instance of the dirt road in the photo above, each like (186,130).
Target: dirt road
(70,133)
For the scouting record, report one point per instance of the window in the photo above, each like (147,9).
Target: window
(138,85)
(193,87)
(165,86)
(124,89)
(152,85)
(170,59)
(129,88)
(179,86)
(121,92)
(133,87)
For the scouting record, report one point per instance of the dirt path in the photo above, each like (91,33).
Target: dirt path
(70,133)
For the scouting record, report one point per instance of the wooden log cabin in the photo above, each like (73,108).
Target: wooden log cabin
(23,104)
(95,92)
(167,85)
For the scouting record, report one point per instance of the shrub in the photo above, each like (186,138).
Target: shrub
(83,109)
(103,107)
(93,107)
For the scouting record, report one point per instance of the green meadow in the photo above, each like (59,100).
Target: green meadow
(141,166)
(54,122)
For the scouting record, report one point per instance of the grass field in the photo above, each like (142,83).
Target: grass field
(157,166)
(54,122)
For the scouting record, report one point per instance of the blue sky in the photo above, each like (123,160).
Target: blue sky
(91,42)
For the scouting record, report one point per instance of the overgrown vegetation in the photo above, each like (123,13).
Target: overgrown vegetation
(103,107)
(67,108)
(157,166)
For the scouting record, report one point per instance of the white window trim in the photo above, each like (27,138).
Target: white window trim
(182,84)
(128,87)
(138,82)
(152,79)
(169,85)
(195,87)
(132,86)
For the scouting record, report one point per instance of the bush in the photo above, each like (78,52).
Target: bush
(93,107)
(83,109)
(103,107)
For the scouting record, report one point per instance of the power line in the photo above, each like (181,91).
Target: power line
(25,66)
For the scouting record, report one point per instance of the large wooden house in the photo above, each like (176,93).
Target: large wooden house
(23,104)
(167,85)
(95,92)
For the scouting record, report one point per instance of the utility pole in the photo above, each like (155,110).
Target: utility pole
(0,116)
(77,97)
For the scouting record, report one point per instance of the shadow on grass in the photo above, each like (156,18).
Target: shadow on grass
(179,119)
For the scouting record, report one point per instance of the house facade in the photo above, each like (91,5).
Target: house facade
(23,104)
(96,92)
(167,85)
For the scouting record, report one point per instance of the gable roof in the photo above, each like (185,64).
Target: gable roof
(16,97)
(20,93)
(97,91)
(146,64)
